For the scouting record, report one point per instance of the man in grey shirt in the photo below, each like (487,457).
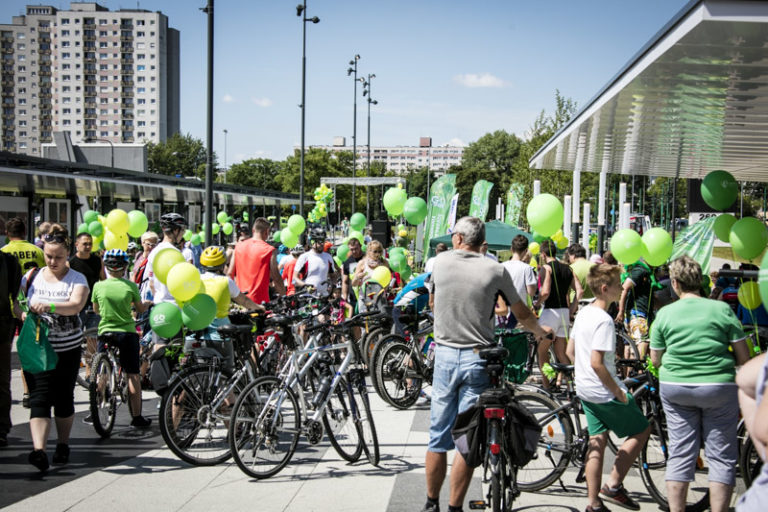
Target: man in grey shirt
(463,293)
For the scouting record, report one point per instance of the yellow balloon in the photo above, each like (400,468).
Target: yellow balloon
(164,261)
(183,281)
(749,295)
(534,248)
(403,233)
(534,263)
(381,275)
(115,241)
(118,221)
(562,242)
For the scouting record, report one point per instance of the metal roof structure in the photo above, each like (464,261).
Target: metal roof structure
(692,100)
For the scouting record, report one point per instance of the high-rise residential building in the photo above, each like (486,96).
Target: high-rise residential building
(401,159)
(96,73)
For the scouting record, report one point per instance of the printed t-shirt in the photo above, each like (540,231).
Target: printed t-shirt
(90,268)
(161,291)
(65,332)
(114,297)
(223,289)
(593,330)
(695,334)
(252,268)
(315,268)
(29,255)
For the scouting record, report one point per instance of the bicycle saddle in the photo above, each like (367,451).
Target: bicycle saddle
(494,353)
(560,367)
(233,329)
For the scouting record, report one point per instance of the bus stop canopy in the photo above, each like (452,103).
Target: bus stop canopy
(692,100)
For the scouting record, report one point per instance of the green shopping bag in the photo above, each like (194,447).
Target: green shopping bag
(34,349)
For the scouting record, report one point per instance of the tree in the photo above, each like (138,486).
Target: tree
(179,155)
(256,172)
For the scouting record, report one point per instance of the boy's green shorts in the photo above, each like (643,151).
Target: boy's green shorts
(622,419)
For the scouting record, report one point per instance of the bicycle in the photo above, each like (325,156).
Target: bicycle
(272,412)
(108,387)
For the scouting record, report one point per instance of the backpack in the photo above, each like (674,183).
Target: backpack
(138,272)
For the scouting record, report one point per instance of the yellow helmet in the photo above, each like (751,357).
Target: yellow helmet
(213,256)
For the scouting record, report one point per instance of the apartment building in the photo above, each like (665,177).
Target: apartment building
(401,159)
(96,73)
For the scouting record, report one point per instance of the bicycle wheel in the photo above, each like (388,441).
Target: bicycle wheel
(368,342)
(398,376)
(190,427)
(103,394)
(373,361)
(555,444)
(340,424)
(497,484)
(653,468)
(361,408)
(264,428)
(750,463)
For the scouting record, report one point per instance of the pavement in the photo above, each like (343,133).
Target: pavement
(133,471)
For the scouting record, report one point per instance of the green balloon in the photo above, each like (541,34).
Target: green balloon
(137,223)
(95,228)
(394,201)
(397,262)
(276,237)
(82,228)
(289,238)
(297,224)
(658,246)
(405,274)
(358,235)
(188,235)
(762,279)
(195,240)
(719,190)
(545,214)
(90,216)
(538,238)
(748,237)
(165,319)
(343,252)
(245,216)
(363,248)
(227,228)
(357,221)
(215,229)
(722,226)
(415,210)
(222,217)
(627,246)
(198,312)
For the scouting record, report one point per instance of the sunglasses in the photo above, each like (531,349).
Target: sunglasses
(377,252)
(58,238)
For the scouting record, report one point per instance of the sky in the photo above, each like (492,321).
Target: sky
(452,70)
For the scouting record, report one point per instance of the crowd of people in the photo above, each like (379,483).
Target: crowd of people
(570,303)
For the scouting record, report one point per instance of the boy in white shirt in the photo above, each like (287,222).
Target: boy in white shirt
(607,405)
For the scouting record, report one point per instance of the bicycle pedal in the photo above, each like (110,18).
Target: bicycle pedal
(478,505)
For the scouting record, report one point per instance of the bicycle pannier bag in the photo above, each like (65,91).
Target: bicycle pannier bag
(468,434)
(523,432)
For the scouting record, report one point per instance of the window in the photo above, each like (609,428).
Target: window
(66,122)
(141,56)
(66,100)
(66,88)
(22,101)
(104,111)
(21,58)
(102,22)
(141,67)
(140,23)
(103,134)
(140,112)
(103,122)
(21,79)
(22,134)
(141,101)
(141,79)
(65,55)
(152,46)
(103,78)
(65,44)
(141,90)
(22,69)
(102,33)
(20,46)
(66,111)
(141,134)
(20,35)
(141,34)
(22,123)
(103,67)
(66,77)
(103,89)
(65,21)
(142,123)
(140,46)
(103,44)
(103,55)
(66,66)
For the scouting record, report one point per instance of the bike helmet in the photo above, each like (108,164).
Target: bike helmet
(317,235)
(115,259)
(213,256)
(132,246)
(171,221)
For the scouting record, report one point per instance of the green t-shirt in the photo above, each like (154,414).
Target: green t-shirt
(581,268)
(695,334)
(114,297)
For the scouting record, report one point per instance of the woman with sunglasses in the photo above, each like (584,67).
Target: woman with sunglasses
(57,293)
(374,257)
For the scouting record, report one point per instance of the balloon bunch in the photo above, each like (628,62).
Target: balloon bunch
(400,262)
(289,235)
(112,231)
(323,196)
(655,246)
(196,308)
(397,202)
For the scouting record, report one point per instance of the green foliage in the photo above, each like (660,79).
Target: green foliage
(256,172)
(180,154)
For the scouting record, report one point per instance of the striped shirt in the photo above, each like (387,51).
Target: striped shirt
(66,332)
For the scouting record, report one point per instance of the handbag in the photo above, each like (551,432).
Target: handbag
(35,351)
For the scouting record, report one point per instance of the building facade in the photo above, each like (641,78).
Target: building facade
(96,73)
(401,159)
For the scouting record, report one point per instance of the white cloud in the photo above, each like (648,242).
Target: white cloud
(456,142)
(482,80)
(228,98)
(262,102)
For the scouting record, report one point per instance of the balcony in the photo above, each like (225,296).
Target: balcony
(126,39)
(8,138)
(126,49)
(8,104)
(126,94)
(8,51)
(44,73)
(90,60)
(45,39)
(42,28)
(8,93)
(125,104)
(90,115)
(90,82)
(11,115)
(128,139)
(46,51)
(6,39)
(126,26)
(124,83)
(89,26)
(45,117)
(46,138)
(126,71)
(126,61)
(127,115)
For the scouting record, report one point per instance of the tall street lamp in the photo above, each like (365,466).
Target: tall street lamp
(111,147)
(225,148)
(353,71)
(367,92)
(301,10)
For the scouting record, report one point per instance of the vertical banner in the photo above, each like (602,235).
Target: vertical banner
(478,206)
(514,204)
(439,203)
(452,213)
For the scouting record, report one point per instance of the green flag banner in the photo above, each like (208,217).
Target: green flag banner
(439,204)
(514,204)
(696,241)
(478,207)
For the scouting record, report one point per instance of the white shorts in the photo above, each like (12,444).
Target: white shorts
(559,320)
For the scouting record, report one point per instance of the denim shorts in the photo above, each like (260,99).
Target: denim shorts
(459,378)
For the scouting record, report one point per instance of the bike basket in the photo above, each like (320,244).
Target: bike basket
(469,435)
(515,365)
(522,432)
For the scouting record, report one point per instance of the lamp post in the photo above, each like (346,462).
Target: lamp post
(208,10)
(225,149)
(301,10)
(111,147)
(353,71)
(367,92)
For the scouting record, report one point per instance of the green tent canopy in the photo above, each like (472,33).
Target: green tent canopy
(498,234)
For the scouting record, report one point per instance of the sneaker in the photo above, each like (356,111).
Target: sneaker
(25,401)
(39,459)
(619,497)
(431,507)
(61,455)
(140,422)
(88,420)
(601,508)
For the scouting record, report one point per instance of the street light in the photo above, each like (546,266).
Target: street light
(367,92)
(111,146)
(301,10)
(353,71)
(225,149)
